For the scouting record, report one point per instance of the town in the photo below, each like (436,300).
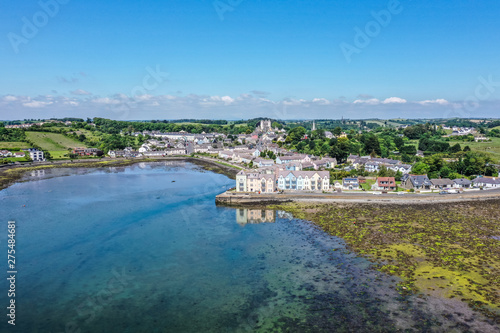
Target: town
(275,156)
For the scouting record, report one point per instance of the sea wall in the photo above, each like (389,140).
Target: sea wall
(253,199)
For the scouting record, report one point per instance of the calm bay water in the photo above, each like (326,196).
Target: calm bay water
(145,249)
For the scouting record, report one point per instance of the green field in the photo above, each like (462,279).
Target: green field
(57,144)
(492,147)
(381,123)
(53,141)
(14,159)
(498,128)
(14,145)
(59,154)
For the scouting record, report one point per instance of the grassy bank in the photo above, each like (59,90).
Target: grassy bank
(444,250)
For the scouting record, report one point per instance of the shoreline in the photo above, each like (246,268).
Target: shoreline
(253,199)
(12,174)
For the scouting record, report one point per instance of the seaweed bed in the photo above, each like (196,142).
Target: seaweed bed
(447,250)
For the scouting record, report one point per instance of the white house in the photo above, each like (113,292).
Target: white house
(486,182)
(5,153)
(36,155)
(261,162)
(303,180)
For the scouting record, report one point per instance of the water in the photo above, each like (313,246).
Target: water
(145,249)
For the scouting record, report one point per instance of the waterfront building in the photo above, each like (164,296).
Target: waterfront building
(36,155)
(303,180)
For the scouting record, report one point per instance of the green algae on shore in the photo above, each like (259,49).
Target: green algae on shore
(448,250)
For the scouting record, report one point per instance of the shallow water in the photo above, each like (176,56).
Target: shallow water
(144,249)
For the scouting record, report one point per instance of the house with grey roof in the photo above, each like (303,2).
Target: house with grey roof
(324,163)
(462,183)
(442,183)
(416,182)
(262,162)
(486,182)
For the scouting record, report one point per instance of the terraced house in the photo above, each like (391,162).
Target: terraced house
(303,180)
(255,181)
(268,180)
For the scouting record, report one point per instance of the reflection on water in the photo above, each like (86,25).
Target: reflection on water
(244,216)
(37,173)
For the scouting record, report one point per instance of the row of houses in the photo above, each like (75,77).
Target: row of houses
(422,182)
(153,145)
(7,153)
(128,152)
(86,151)
(373,164)
(182,135)
(28,125)
(35,154)
(292,162)
(269,180)
(460,130)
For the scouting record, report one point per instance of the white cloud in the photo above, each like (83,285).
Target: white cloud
(434,101)
(321,101)
(227,99)
(10,98)
(395,100)
(243,106)
(371,101)
(36,104)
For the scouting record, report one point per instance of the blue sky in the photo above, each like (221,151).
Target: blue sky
(240,58)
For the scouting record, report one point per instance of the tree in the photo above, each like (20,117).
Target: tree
(420,168)
(296,134)
(271,155)
(455,148)
(318,135)
(275,124)
(341,150)
(325,148)
(383,171)
(399,142)
(490,170)
(445,171)
(371,143)
(337,131)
